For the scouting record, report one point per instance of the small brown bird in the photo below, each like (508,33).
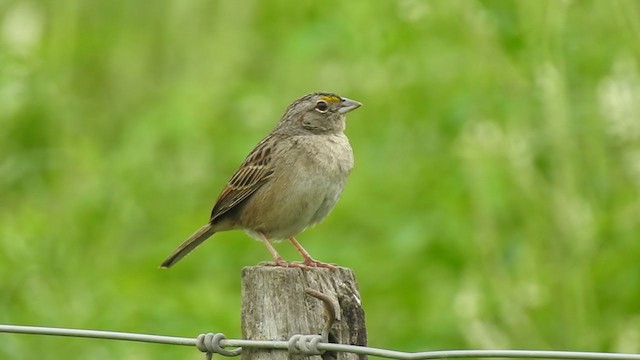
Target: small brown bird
(290,181)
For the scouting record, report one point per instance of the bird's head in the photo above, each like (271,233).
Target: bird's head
(318,113)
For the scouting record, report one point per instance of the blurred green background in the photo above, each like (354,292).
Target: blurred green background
(494,202)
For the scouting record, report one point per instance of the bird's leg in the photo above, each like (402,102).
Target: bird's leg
(308,260)
(277,259)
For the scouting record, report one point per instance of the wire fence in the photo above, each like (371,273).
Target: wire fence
(306,345)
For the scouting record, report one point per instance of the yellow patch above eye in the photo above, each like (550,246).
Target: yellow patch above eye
(331,98)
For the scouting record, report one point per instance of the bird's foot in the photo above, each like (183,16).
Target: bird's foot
(310,262)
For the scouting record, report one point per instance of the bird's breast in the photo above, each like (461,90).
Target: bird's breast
(307,182)
(328,164)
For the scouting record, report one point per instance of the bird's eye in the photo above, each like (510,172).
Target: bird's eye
(322,106)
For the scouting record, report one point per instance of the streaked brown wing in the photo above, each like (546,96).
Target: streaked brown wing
(254,172)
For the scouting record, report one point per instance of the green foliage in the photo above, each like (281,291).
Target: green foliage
(494,204)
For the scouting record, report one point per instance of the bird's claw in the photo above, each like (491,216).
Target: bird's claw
(309,262)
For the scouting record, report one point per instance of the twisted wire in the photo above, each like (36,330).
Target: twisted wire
(210,344)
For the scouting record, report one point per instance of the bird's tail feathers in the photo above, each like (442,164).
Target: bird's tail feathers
(191,243)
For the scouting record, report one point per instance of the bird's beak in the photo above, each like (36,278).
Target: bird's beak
(348,105)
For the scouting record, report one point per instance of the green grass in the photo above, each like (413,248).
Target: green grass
(494,203)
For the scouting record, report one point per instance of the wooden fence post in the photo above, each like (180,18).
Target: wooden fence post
(276,307)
